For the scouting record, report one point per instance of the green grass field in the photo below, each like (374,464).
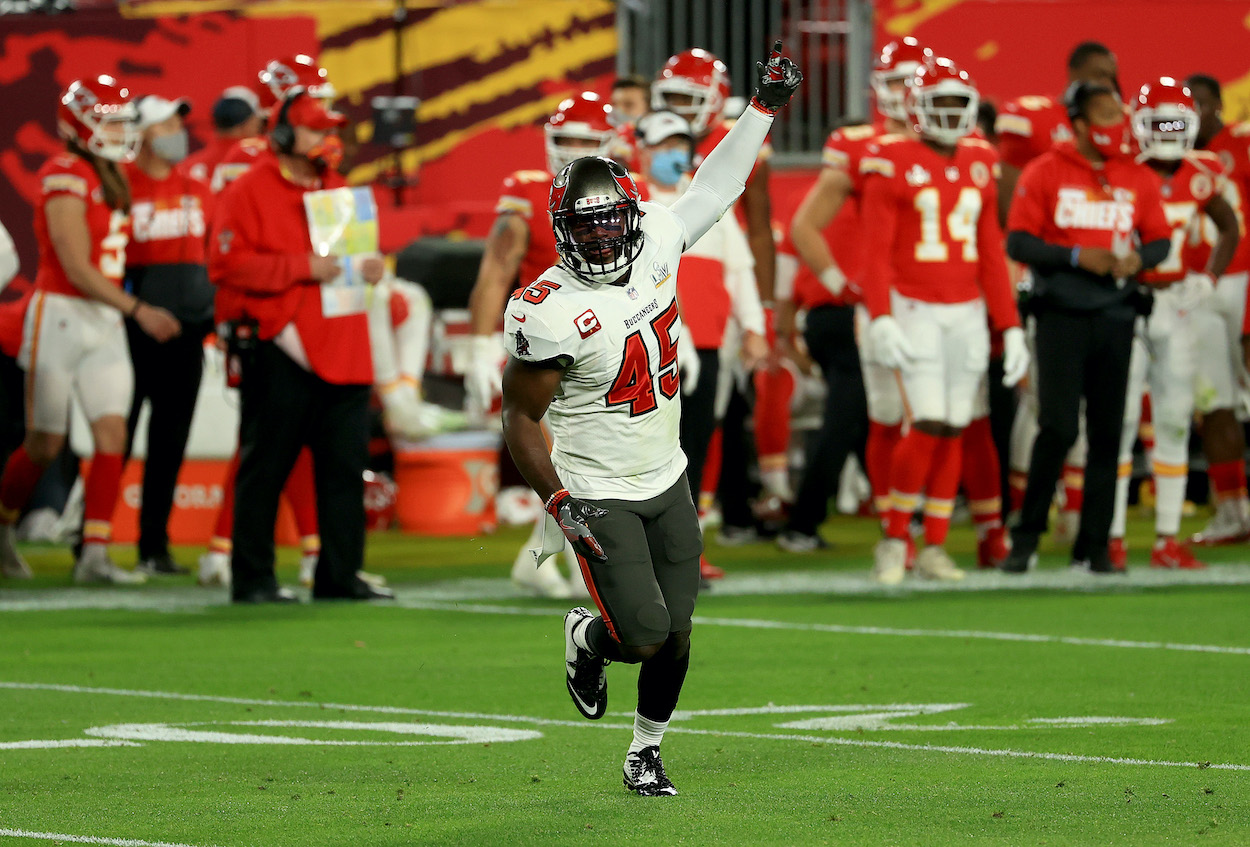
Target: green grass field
(1058,710)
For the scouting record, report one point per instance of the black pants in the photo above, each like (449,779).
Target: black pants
(284,408)
(168,377)
(1079,354)
(698,419)
(830,336)
(735,489)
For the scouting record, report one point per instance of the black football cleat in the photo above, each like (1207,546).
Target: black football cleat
(584,672)
(644,774)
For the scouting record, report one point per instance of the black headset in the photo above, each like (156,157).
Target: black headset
(283,134)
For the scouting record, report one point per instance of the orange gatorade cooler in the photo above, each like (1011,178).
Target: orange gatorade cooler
(447,484)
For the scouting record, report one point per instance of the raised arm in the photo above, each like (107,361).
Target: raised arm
(723,174)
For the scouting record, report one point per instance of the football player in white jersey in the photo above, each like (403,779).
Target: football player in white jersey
(593,345)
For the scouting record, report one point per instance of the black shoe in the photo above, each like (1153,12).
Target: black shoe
(584,675)
(1098,566)
(266,595)
(359,590)
(644,774)
(163,565)
(1023,555)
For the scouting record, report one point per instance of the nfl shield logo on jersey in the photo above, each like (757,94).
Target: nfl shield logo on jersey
(522,344)
(632,292)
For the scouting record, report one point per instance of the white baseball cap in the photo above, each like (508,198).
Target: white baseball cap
(153,109)
(654,127)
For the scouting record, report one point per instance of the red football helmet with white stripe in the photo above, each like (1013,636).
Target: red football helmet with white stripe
(98,115)
(695,85)
(582,119)
(1165,122)
(892,74)
(934,84)
(281,75)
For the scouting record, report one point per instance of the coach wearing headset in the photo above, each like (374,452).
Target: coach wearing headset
(307,380)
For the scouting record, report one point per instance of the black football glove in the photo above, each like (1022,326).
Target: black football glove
(571,516)
(778,78)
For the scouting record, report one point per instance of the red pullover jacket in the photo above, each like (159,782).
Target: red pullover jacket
(258,258)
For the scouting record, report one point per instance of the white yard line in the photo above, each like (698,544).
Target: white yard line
(833,740)
(749,623)
(87,839)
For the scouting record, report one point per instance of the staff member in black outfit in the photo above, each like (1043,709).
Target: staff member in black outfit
(166,265)
(1076,215)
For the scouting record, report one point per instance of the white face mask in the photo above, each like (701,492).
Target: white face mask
(172,148)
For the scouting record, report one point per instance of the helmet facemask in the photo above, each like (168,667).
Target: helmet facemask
(1165,133)
(597,242)
(946,112)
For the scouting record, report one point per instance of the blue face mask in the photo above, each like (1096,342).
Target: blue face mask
(668,166)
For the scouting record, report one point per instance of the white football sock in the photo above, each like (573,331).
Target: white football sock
(579,634)
(647,733)
(1169,500)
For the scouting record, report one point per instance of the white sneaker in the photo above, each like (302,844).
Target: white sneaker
(308,569)
(889,561)
(543,581)
(934,563)
(12,565)
(1067,527)
(94,565)
(1227,526)
(214,569)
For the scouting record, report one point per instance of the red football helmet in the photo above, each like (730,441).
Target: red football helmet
(1165,123)
(281,75)
(582,118)
(696,74)
(892,75)
(99,115)
(936,79)
(381,495)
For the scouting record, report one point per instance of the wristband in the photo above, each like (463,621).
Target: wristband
(553,501)
(134,310)
(1076,252)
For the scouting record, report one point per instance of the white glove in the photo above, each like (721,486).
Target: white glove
(483,374)
(890,346)
(833,279)
(688,364)
(1015,356)
(401,410)
(1193,290)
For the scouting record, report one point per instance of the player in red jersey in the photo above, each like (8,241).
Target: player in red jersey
(236,115)
(827,233)
(1218,327)
(73,342)
(522,243)
(1026,128)
(934,269)
(1166,126)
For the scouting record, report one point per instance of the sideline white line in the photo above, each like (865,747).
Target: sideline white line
(87,839)
(184,599)
(809,739)
(749,623)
